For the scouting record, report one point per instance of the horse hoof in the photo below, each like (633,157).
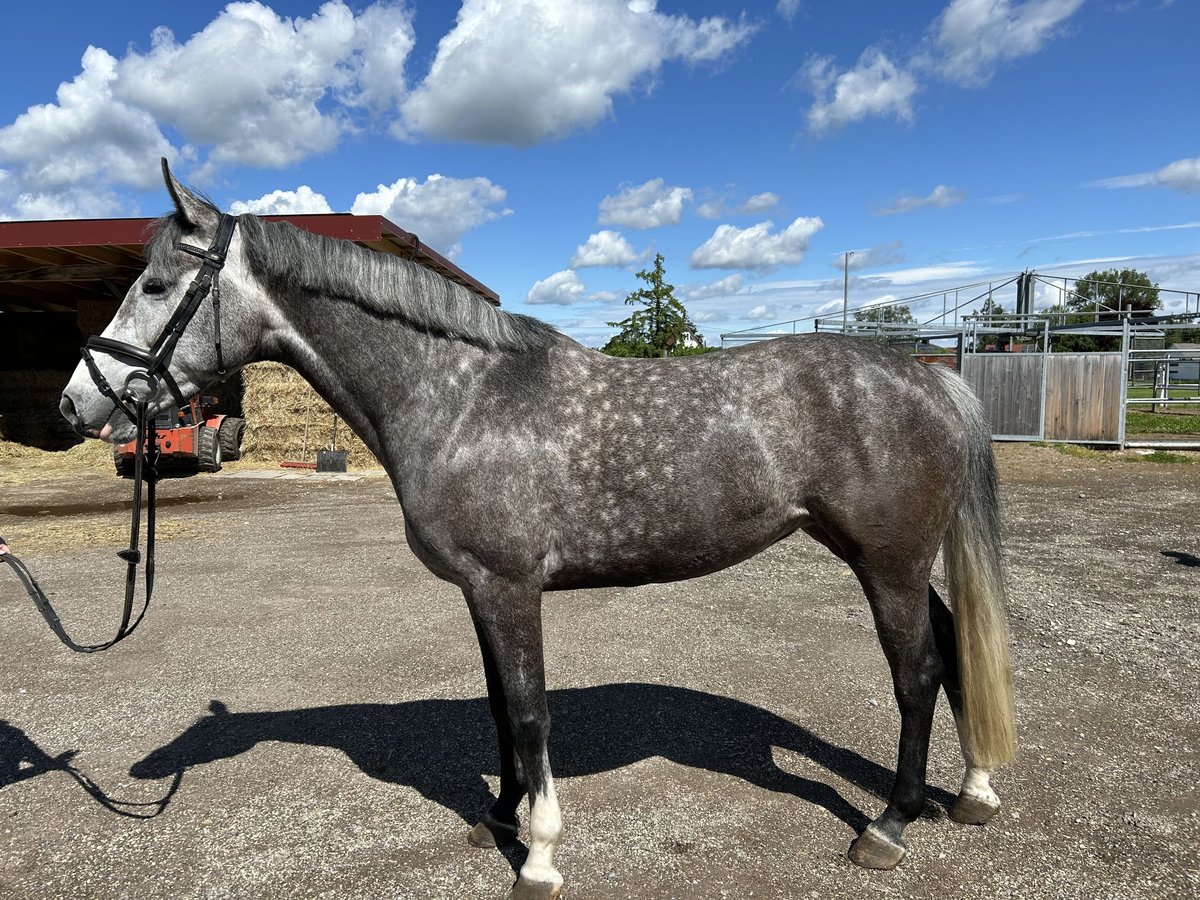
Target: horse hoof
(534,890)
(971,810)
(872,850)
(492,833)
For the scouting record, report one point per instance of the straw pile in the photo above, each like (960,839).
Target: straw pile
(279,405)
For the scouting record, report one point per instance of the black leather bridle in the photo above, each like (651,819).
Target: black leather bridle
(151,365)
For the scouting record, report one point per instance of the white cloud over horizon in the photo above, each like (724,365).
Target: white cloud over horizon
(756,247)
(648,205)
(1181,175)
(439,210)
(302,201)
(560,289)
(525,71)
(940,197)
(604,248)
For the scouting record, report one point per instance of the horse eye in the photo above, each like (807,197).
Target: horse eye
(154,286)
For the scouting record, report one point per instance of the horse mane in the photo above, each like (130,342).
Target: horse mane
(290,260)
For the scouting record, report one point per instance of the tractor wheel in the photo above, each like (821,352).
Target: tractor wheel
(208,451)
(231,432)
(124,464)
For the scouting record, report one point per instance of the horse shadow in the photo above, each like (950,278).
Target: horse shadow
(442,748)
(1183,559)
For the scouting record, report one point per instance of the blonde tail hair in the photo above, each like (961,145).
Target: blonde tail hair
(975,578)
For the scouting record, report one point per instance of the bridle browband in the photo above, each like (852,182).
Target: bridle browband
(151,366)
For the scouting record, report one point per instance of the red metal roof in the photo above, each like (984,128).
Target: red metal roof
(53,265)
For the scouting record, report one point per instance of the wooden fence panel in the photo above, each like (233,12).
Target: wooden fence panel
(1010,388)
(1083,397)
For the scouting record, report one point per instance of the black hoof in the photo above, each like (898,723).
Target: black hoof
(874,851)
(491,833)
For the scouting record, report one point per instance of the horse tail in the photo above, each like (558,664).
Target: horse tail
(975,578)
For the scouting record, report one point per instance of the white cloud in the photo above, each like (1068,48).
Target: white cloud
(972,37)
(251,84)
(725,287)
(522,71)
(646,206)
(604,248)
(939,198)
(964,45)
(439,210)
(880,255)
(876,86)
(1181,175)
(755,247)
(759,203)
(303,200)
(788,8)
(920,274)
(67,155)
(560,289)
(251,88)
(762,311)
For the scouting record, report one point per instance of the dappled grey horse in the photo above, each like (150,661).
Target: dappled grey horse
(525,462)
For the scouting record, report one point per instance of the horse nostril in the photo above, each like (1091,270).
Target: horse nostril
(67,407)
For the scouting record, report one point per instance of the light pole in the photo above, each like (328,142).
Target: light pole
(846,287)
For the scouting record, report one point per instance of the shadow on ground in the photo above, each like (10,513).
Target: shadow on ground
(443,747)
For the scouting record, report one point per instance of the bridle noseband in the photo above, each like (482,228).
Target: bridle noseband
(151,367)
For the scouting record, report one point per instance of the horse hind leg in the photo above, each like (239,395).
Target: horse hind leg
(977,801)
(902,621)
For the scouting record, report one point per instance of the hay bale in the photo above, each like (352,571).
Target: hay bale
(29,413)
(278,405)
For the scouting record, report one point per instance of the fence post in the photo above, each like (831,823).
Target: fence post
(1125,368)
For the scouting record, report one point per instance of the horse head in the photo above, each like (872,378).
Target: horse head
(162,345)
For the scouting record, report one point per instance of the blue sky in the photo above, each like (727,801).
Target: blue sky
(553,146)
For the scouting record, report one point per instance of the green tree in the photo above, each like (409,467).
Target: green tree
(891,315)
(1118,289)
(660,326)
(1106,290)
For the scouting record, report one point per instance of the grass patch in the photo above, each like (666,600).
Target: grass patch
(1079,451)
(1163,456)
(1160,423)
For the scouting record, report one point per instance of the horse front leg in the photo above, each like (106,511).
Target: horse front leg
(499,824)
(508,619)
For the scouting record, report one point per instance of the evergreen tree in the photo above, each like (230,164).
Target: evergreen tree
(660,326)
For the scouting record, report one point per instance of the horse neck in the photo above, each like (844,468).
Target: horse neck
(381,375)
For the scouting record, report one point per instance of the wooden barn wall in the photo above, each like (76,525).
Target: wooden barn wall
(1083,396)
(1010,386)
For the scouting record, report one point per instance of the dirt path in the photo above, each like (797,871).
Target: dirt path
(304,708)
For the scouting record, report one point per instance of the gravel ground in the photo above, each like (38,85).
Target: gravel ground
(302,715)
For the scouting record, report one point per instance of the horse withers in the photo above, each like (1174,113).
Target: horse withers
(525,462)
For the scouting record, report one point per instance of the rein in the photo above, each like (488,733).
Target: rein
(153,368)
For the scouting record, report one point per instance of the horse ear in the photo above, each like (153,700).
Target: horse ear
(191,207)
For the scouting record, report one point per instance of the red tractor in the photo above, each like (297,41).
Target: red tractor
(190,440)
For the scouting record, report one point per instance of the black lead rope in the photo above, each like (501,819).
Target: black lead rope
(151,365)
(145,474)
